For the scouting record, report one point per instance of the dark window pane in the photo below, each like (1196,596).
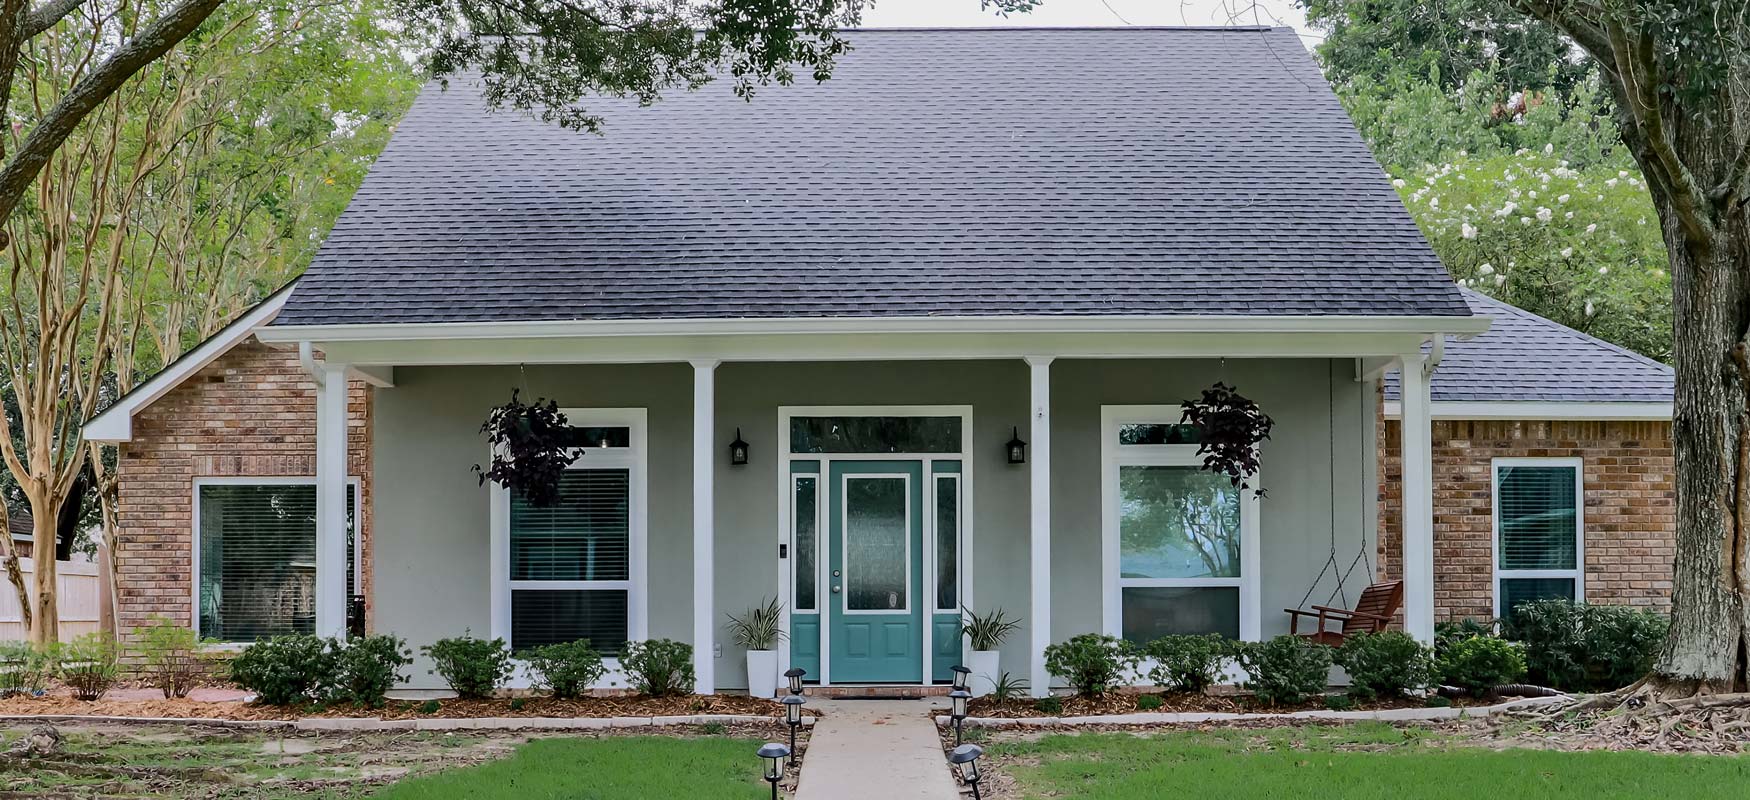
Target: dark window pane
(541,617)
(258,560)
(805,522)
(599,436)
(1524,590)
(582,537)
(1157,433)
(875,434)
(947,542)
(1155,611)
(1537,517)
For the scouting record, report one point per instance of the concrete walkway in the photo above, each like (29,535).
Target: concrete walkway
(875,750)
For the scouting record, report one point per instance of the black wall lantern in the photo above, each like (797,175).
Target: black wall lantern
(1017,449)
(738,451)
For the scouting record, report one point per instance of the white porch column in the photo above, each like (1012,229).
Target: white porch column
(1416,449)
(1039,494)
(704,529)
(331,491)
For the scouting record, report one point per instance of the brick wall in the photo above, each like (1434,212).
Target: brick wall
(1629,511)
(252,412)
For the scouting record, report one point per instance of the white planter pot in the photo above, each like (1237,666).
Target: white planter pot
(762,673)
(985,671)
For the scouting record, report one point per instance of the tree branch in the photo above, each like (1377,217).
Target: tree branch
(45,16)
(1635,66)
(1735,189)
(65,115)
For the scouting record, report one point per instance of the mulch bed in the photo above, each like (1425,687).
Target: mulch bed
(588,707)
(1126,703)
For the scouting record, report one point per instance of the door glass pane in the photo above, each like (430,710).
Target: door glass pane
(876,534)
(1177,522)
(1151,612)
(875,435)
(947,542)
(1537,517)
(804,521)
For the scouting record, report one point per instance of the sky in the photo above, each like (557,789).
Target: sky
(1066,13)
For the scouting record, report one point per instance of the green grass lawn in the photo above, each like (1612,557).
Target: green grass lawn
(1360,762)
(621,768)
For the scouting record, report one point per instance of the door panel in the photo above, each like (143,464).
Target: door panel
(875,580)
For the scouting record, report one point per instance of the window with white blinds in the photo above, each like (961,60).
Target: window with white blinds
(257,558)
(571,567)
(1539,540)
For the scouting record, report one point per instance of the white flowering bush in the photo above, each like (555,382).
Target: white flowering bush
(1579,246)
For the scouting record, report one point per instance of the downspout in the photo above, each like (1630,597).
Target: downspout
(307,358)
(1435,353)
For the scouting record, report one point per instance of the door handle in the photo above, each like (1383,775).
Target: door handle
(835,588)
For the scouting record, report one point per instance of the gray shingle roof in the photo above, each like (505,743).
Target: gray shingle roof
(1524,357)
(939,172)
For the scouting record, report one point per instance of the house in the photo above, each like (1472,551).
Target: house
(21,526)
(967,241)
(1553,472)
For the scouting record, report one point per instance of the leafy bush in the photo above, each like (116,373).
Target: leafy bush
(1481,663)
(366,668)
(1149,702)
(988,632)
(430,707)
(1285,670)
(567,670)
(24,669)
(1091,663)
(1341,702)
(659,667)
(284,670)
(1050,704)
(1187,663)
(1387,664)
(1580,647)
(89,665)
(761,628)
(171,660)
(473,668)
(1448,633)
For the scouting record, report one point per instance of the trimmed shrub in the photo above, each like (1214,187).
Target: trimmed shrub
(1386,664)
(1340,702)
(1149,702)
(171,660)
(1481,663)
(89,665)
(1285,670)
(284,670)
(366,668)
(24,669)
(659,667)
(1187,663)
(1580,647)
(1091,663)
(1447,633)
(566,670)
(473,668)
(1050,704)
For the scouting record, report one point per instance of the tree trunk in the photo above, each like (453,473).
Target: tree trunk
(46,625)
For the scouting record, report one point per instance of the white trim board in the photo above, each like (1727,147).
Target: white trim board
(1539,410)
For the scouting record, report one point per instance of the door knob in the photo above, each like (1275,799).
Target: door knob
(835,588)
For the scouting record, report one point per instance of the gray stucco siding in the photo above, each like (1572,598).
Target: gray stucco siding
(433,521)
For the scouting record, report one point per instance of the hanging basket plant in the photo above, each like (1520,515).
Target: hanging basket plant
(530,449)
(1230,427)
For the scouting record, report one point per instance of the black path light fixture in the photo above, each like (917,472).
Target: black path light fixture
(774,754)
(793,718)
(965,758)
(794,676)
(1017,448)
(738,451)
(958,713)
(962,677)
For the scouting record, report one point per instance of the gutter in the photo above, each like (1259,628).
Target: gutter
(307,359)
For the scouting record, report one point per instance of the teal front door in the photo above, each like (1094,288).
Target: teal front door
(875,575)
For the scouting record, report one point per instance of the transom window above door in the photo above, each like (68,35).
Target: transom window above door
(849,434)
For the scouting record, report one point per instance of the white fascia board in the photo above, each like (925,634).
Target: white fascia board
(116,423)
(1541,410)
(879,325)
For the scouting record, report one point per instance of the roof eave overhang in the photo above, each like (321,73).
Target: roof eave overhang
(1541,410)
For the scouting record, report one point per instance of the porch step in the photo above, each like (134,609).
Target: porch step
(878,692)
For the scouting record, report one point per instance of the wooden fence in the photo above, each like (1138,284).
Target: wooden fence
(81,600)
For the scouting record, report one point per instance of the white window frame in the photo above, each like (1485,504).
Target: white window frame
(635,459)
(1112,457)
(358,540)
(1578,573)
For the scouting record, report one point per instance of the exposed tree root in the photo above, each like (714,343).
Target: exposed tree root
(1652,714)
